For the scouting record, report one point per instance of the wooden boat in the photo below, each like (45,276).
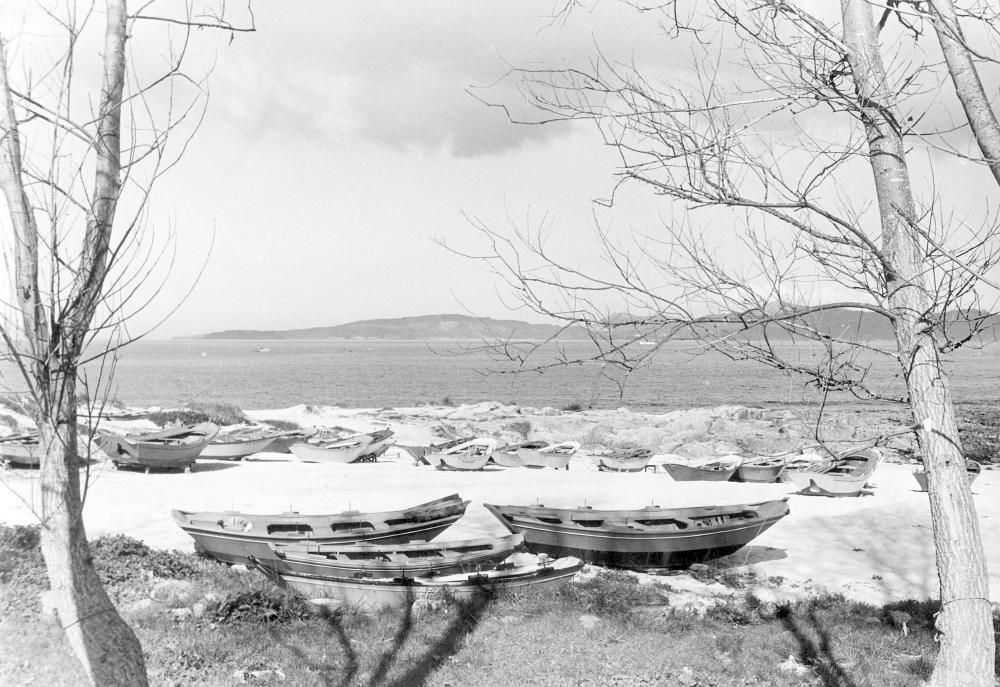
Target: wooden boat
(419,453)
(470,455)
(624,460)
(651,537)
(238,444)
(845,475)
(378,593)
(972,470)
(20,449)
(537,454)
(357,448)
(174,448)
(760,469)
(232,537)
(704,469)
(372,559)
(283,440)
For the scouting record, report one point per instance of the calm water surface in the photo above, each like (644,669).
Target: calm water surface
(383,373)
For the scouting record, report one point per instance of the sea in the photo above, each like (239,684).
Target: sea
(374,374)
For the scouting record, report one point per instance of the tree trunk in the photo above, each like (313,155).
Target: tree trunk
(968,85)
(106,646)
(965,622)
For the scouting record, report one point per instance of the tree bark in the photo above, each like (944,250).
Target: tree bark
(106,646)
(965,624)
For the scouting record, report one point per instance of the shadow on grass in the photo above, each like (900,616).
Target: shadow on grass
(815,648)
(467,615)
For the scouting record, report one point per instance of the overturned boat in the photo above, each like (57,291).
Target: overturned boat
(651,537)
(397,592)
(239,444)
(232,537)
(175,448)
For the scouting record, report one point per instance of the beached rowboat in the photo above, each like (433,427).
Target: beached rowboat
(400,592)
(238,444)
(174,448)
(760,469)
(537,454)
(232,537)
(972,470)
(651,537)
(704,470)
(370,559)
(20,449)
(356,448)
(470,455)
(845,475)
(624,460)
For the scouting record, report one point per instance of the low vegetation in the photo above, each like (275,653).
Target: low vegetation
(606,630)
(218,412)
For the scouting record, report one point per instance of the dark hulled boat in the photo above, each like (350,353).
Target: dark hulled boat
(651,537)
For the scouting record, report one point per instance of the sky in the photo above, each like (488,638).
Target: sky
(343,143)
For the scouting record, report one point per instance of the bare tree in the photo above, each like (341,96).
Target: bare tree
(799,149)
(77,170)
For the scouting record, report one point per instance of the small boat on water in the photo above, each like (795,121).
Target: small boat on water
(972,470)
(624,460)
(232,537)
(470,455)
(20,449)
(537,454)
(651,537)
(377,560)
(174,448)
(764,469)
(703,469)
(844,475)
(239,444)
(356,448)
(399,592)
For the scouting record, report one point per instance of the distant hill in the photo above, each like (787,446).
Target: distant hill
(842,323)
(421,328)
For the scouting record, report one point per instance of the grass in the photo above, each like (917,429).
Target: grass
(532,638)
(218,412)
(572,408)
(283,425)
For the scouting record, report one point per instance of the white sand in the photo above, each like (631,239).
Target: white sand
(874,548)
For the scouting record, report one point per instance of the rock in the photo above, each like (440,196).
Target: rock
(248,676)
(198,609)
(589,622)
(144,608)
(324,607)
(174,593)
(180,613)
(792,665)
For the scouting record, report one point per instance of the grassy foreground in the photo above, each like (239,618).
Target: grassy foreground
(219,626)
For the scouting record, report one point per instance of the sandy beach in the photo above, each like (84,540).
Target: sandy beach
(876,547)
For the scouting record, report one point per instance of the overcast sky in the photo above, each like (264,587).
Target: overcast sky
(342,141)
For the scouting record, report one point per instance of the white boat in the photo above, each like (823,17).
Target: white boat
(469,455)
(537,454)
(359,448)
(845,475)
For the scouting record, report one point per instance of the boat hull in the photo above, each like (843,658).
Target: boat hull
(170,449)
(446,461)
(399,593)
(234,450)
(648,538)
(694,473)
(763,473)
(21,450)
(233,537)
(379,560)
(971,472)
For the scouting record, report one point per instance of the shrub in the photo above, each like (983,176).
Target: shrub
(261,606)
(121,561)
(283,425)
(572,407)
(194,413)
(447,402)
(612,593)
(520,427)
(21,559)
